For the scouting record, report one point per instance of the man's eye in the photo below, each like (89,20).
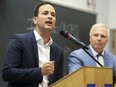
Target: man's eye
(45,13)
(103,36)
(95,35)
(53,14)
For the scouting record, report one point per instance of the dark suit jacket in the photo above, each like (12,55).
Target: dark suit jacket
(21,66)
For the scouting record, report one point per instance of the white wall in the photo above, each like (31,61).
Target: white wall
(102,9)
(112,14)
(76,4)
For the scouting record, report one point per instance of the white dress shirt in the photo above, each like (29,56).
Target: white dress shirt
(44,55)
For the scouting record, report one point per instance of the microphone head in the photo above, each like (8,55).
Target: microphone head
(64,33)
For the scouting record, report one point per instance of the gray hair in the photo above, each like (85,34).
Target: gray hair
(98,25)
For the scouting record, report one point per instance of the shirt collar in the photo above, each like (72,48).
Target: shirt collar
(40,40)
(94,52)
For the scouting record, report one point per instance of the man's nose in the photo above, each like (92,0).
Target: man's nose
(49,15)
(99,36)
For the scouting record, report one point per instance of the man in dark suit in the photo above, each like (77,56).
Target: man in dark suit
(33,59)
(99,35)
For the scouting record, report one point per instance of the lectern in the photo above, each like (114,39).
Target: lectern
(86,77)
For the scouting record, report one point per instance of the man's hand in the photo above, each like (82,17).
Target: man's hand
(48,68)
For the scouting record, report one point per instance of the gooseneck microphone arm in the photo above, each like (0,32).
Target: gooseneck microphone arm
(78,42)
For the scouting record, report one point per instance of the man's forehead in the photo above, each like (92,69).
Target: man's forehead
(47,7)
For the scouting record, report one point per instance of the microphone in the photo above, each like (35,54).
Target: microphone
(73,39)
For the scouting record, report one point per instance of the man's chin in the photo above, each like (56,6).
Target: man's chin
(98,49)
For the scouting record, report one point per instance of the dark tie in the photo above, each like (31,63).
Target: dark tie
(98,55)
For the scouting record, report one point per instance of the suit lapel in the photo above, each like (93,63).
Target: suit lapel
(34,45)
(52,54)
(52,58)
(106,60)
(91,60)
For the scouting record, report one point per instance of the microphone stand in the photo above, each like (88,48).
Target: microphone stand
(92,57)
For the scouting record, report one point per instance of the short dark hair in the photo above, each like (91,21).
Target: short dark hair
(39,5)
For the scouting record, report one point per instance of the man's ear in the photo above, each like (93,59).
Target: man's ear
(35,20)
